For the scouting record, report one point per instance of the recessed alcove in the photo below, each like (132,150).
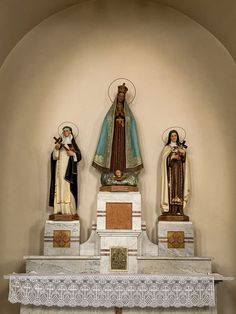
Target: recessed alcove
(60,71)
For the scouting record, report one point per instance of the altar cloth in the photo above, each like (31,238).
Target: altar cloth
(108,291)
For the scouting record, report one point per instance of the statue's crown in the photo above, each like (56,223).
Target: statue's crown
(122,88)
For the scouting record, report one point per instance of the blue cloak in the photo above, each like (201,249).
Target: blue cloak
(102,158)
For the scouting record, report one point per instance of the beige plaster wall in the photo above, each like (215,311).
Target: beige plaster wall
(17,18)
(60,72)
(219,17)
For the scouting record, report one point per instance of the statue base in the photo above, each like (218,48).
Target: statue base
(62,238)
(118,228)
(63,217)
(167,217)
(175,238)
(118,188)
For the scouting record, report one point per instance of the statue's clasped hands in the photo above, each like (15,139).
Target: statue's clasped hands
(182,151)
(70,153)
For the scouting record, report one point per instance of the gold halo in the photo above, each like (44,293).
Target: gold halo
(181,131)
(114,93)
(72,125)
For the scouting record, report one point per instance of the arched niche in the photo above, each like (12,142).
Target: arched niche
(61,70)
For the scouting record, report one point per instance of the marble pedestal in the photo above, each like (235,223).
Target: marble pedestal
(106,208)
(175,238)
(62,237)
(118,228)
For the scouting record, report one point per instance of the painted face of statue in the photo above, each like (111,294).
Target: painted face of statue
(118,173)
(173,137)
(121,97)
(66,132)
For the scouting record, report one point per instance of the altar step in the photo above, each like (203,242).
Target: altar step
(145,265)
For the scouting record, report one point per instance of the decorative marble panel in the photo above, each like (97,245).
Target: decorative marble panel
(118,215)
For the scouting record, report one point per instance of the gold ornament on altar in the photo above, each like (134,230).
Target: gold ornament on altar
(61,238)
(175,240)
(119,259)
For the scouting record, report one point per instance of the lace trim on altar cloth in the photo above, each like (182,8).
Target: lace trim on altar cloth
(112,290)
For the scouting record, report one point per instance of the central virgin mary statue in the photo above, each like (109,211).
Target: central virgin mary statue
(118,154)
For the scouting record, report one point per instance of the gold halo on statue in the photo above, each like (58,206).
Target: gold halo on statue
(181,131)
(72,125)
(112,90)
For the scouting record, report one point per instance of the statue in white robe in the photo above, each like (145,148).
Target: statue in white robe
(64,159)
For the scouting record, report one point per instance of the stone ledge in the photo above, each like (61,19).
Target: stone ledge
(59,257)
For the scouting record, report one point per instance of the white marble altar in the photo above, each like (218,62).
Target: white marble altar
(65,271)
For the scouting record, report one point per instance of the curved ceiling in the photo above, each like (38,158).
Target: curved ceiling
(17,18)
(218,17)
